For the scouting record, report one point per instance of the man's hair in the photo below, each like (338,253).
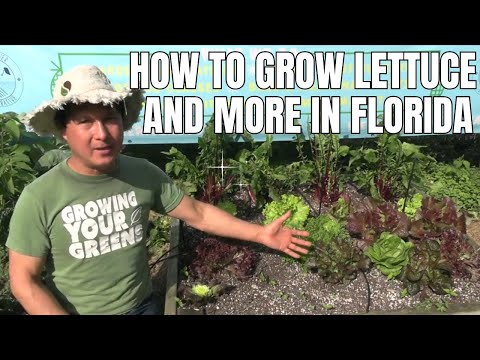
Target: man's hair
(61,116)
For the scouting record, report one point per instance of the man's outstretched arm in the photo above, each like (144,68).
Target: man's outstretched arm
(213,220)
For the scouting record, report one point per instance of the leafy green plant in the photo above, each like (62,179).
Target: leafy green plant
(50,159)
(326,153)
(336,261)
(440,305)
(188,176)
(228,206)
(299,211)
(199,295)
(252,166)
(19,151)
(291,177)
(321,168)
(334,256)
(385,170)
(410,207)
(16,169)
(201,177)
(340,209)
(159,233)
(389,254)
(325,228)
(450,292)
(201,290)
(459,181)
(205,290)
(267,279)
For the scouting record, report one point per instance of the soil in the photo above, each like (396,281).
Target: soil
(280,287)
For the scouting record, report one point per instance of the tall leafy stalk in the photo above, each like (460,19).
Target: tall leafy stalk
(325,152)
(409,184)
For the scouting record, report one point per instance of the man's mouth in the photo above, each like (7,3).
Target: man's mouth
(104,149)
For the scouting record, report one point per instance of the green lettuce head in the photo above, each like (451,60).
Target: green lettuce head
(390,254)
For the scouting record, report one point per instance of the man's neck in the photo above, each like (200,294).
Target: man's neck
(80,168)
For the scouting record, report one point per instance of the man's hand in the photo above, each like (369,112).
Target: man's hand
(277,237)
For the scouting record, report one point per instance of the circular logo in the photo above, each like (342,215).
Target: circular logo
(11,81)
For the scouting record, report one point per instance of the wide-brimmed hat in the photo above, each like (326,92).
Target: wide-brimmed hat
(83,84)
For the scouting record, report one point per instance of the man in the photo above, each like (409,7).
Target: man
(86,218)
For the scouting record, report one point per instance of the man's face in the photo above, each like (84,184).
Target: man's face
(94,133)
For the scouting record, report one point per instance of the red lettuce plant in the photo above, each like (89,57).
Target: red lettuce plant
(437,216)
(464,260)
(214,256)
(368,218)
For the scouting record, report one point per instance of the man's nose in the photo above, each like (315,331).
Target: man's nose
(100,130)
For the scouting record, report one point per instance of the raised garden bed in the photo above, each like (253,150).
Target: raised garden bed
(279,286)
(387,234)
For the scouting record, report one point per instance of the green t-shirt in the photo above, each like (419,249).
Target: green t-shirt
(92,230)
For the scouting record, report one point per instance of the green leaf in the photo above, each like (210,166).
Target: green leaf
(201,290)
(21,149)
(10,185)
(24,166)
(13,128)
(177,169)
(410,149)
(343,150)
(279,177)
(20,158)
(370,155)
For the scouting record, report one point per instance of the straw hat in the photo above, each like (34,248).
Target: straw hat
(83,84)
